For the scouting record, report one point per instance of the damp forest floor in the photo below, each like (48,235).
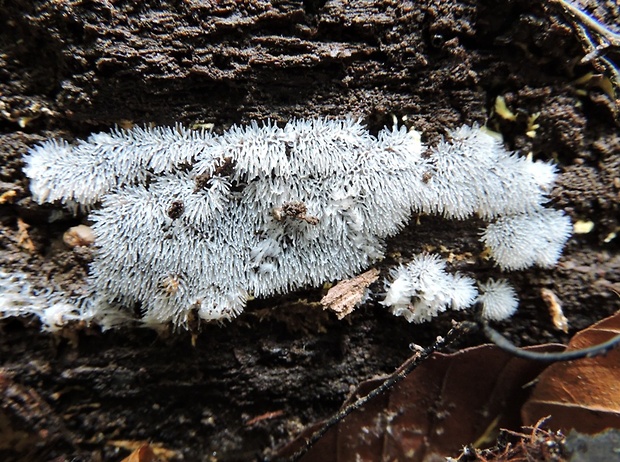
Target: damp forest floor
(239,389)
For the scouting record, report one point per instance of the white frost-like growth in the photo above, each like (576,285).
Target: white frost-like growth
(422,289)
(471,173)
(84,173)
(527,239)
(498,299)
(256,211)
(188,220)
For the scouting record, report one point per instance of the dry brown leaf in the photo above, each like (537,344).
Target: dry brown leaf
(448,401)
(143,454)
(344,296)
(150,452)
(583,394)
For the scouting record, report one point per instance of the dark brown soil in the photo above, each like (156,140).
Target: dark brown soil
(70,68)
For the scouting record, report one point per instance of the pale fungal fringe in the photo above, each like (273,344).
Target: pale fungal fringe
(262,209)
(18,298)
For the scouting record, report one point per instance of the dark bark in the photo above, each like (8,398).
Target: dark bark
(70,68)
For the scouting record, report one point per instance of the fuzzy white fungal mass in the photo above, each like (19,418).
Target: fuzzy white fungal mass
(517,242)
(498,300)
(189,220)
(422,289)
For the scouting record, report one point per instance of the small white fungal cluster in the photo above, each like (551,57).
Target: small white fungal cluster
(473,174)
(498,299)
(527,239)
(423,288)
(186,220)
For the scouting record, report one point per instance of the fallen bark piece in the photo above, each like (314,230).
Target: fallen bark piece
(346,295)
(560,321)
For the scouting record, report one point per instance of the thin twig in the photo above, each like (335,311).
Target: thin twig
(587,26)
(602,30)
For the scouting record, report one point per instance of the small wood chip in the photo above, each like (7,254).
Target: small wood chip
(23,237)
(78,236)
(143,451)
(555,309)
(583,227)
(344,296)
(8,197)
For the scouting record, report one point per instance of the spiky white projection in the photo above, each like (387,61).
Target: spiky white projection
(498,299)
(423,289)
(187,220)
